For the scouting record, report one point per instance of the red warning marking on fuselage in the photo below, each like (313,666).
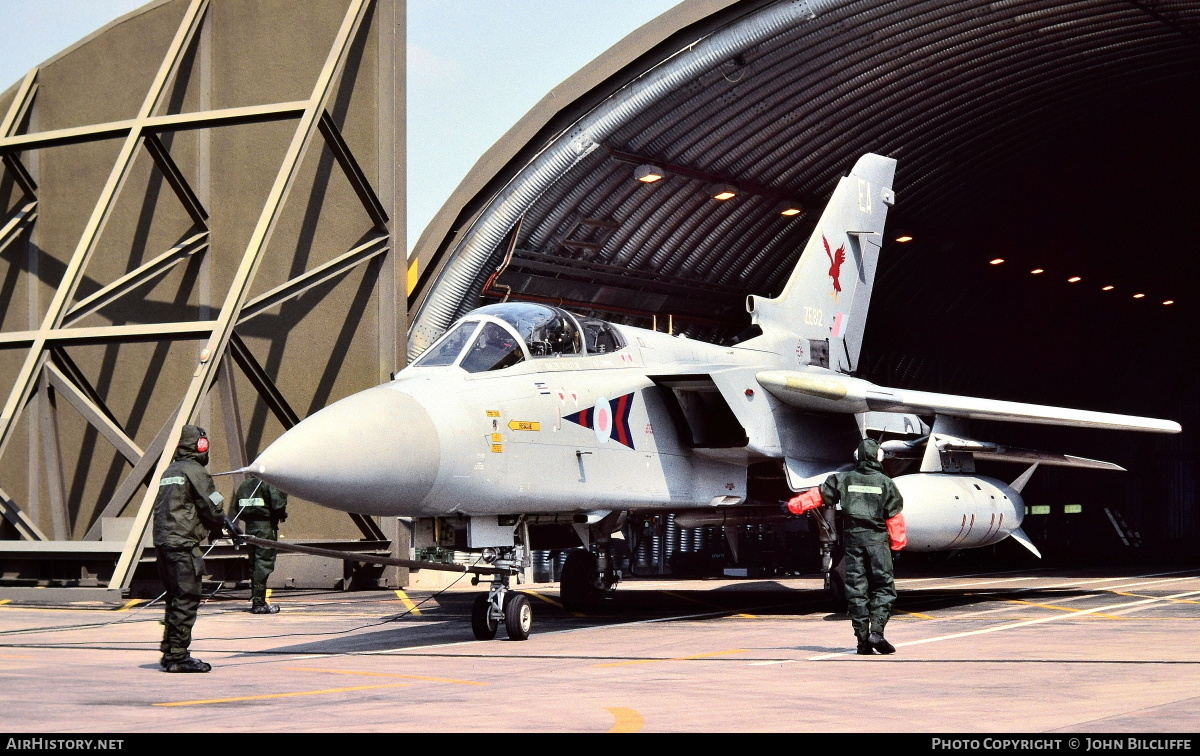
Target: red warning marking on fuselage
(617,419)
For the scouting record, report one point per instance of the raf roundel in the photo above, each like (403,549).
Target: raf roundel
(608,419)
(202,444)
(602,420)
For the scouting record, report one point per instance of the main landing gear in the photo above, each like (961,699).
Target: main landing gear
(502,605)
(588,576)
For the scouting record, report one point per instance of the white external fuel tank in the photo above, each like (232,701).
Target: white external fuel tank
(945,511)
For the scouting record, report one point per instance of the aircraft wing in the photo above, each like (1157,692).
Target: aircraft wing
(830,392)
(983,450)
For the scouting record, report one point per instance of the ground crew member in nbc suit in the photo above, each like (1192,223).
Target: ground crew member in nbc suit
(261,507)
(187,509)
(872,528)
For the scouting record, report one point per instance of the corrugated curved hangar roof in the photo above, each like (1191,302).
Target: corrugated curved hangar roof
(1057,136)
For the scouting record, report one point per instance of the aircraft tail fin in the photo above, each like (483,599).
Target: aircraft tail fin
(824,303)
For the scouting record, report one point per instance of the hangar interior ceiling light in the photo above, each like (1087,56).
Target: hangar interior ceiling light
(1074,279)
(723,192)
(1037,271)
(996,261)
(789,208)
(648,174)
(1107,288)
(904,238)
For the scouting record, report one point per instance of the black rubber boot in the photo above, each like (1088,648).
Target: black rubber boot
(877,642)
(191,664)
(865,648)
(264,609)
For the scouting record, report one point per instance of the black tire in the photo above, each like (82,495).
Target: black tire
(482,624)
(575,587)
(518,616)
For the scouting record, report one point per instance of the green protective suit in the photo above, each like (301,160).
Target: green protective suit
(868,499)
(188,509)
(260,507)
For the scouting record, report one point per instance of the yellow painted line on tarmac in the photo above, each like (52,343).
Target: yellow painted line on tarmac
(625,720)
(14,656)
(129,605)
(265,696)
(914,614)
(385,674)
(1061,608)
(552,603)
(1142,595)
(408,603)
(5,601)
(677,658)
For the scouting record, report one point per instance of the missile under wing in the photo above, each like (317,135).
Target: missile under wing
(528,427)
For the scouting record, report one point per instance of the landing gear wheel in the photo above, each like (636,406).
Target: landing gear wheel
(482,623)
(576,587)
(518,616)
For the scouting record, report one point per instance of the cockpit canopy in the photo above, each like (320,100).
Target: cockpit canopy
(545,332)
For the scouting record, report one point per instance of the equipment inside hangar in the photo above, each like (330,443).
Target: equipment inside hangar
(207,193)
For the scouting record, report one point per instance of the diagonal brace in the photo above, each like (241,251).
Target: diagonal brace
(136,477)
(358,179)
(21,174)
(136,278)
(95,416)
(262,382)
(314,277)
(19,520)
(18,222)
(174,176)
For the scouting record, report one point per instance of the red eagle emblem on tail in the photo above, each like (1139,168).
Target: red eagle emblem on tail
(835,264)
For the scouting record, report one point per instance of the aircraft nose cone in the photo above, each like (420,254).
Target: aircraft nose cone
(375,453)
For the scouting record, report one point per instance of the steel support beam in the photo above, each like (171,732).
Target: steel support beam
(231,409)
(279,111)
(192,329)
(52,461)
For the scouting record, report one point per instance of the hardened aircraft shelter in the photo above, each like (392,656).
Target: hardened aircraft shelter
(200,202)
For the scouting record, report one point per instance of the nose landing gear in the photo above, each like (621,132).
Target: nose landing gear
(501,604)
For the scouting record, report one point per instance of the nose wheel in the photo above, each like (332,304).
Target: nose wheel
(501,605)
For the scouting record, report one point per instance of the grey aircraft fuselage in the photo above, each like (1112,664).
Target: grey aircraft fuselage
(526,410)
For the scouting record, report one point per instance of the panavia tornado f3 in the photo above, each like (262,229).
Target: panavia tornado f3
(526,420)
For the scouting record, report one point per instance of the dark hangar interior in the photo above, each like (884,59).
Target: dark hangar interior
(1054,137)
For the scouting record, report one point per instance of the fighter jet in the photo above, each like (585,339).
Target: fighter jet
(527,420)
